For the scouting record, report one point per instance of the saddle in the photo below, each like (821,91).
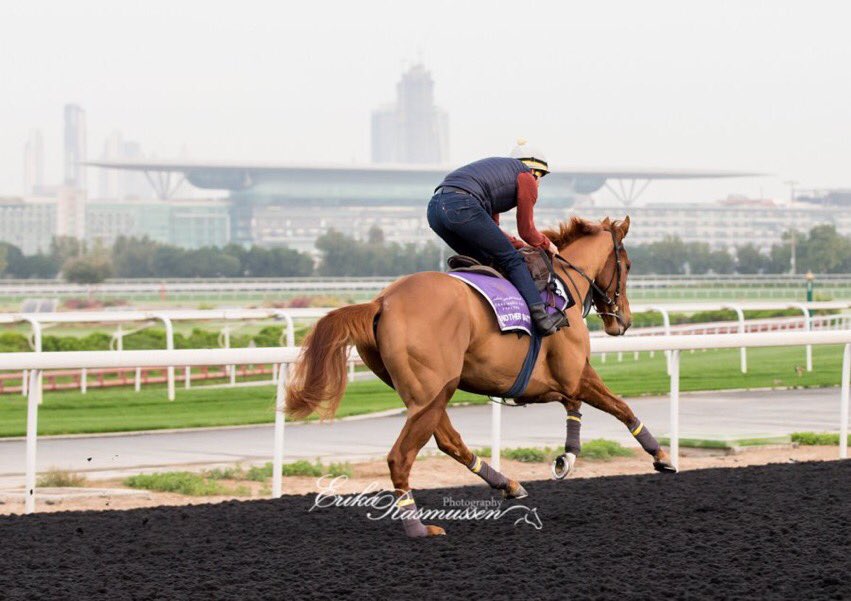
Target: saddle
(508,306)
(547,281)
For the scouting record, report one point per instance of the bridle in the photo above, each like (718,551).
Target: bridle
(597,294)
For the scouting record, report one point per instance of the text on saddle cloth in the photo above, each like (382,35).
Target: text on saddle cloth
(511,311)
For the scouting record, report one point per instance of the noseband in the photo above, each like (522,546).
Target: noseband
(595,293)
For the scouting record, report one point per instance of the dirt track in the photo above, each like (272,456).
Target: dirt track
(772,532)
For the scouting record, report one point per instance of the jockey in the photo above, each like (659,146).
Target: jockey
(465,210)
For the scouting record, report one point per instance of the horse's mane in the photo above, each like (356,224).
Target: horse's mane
(570,231)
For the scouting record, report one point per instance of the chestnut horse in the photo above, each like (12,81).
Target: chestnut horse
(429,334)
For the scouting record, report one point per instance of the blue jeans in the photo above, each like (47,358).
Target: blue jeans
(465,226)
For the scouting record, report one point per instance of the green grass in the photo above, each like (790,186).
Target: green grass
(301,468)
(185,483)
(719,370)
(60,479)
(601,449)
(117,410)
(121,410)
(728,443)
(598,449)
(527,455)
(818,438)
(227,473)
(208,483)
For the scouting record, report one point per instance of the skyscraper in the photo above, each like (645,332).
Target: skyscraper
(75,147)
(412,130)
(34,162)
(110,184)
(118,185)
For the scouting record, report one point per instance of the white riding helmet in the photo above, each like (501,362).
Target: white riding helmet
(530,156)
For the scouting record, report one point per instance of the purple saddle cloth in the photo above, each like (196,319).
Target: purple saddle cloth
(510,309)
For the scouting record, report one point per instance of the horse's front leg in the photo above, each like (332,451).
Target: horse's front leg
(563,464)
(593,391)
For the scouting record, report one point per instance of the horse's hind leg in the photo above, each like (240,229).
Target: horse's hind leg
(449,441)
(593,391)
(419,427)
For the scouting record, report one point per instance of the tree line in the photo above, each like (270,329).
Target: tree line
(821,250)
(143,258)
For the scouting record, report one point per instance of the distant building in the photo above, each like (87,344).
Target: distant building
(117,184)
(412,130)
(293,204)
(829,197)
(723,225)
(71,212)
(34,163)
(29,223)
(109,180)
(135,184)
(184,223)
(75,147)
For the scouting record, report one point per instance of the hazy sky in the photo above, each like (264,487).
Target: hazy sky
(760,86)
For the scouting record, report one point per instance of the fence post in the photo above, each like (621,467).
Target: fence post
(843,404)
(675,408)
(231,369)
(36,346)
(808,326)
(33,400)
(169,345)
(137,380)
(84,380)
(290,330)
(666,324)
(278,453)
(742,351)
(187,377)
(496,433)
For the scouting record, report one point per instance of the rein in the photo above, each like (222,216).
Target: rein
(611,302)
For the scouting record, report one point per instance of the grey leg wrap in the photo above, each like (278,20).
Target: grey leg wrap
(574,423)
(644,437)
(488,474)
(406,509)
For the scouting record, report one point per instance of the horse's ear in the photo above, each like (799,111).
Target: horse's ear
(624,227)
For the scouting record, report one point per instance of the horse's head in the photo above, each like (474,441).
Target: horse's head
(596,253)
(609,295)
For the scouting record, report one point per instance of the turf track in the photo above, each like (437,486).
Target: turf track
(774,532)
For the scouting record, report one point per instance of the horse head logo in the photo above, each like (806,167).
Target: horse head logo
(530,516)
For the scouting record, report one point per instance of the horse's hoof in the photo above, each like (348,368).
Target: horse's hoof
(664,467)
(435,531)
(515,491)
(563,465)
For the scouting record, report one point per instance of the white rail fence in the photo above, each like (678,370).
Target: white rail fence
(283,356)
(38,322)
(772,286)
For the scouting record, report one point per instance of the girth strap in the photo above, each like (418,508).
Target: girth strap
(525,374)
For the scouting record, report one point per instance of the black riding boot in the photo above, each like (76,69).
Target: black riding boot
(545,323)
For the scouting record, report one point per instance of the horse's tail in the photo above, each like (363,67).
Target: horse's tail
(319,378)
